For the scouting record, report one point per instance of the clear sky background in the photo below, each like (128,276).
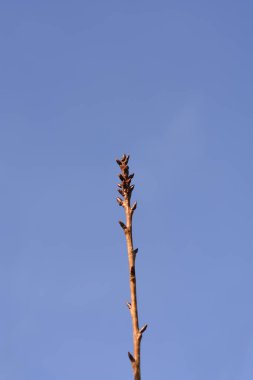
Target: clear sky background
(170,83)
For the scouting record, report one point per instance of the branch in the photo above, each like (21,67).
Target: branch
(125,190)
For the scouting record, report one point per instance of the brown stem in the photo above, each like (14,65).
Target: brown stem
(126,190)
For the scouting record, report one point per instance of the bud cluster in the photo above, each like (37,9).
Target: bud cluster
(125,187)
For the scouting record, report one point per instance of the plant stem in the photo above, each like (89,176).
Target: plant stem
(125,189)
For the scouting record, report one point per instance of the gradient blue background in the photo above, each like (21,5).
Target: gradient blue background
(169,82)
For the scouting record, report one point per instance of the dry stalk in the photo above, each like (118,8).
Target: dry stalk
(125,190)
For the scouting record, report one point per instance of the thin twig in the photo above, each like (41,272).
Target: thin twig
(125,190)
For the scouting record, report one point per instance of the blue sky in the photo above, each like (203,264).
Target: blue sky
(170,83)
